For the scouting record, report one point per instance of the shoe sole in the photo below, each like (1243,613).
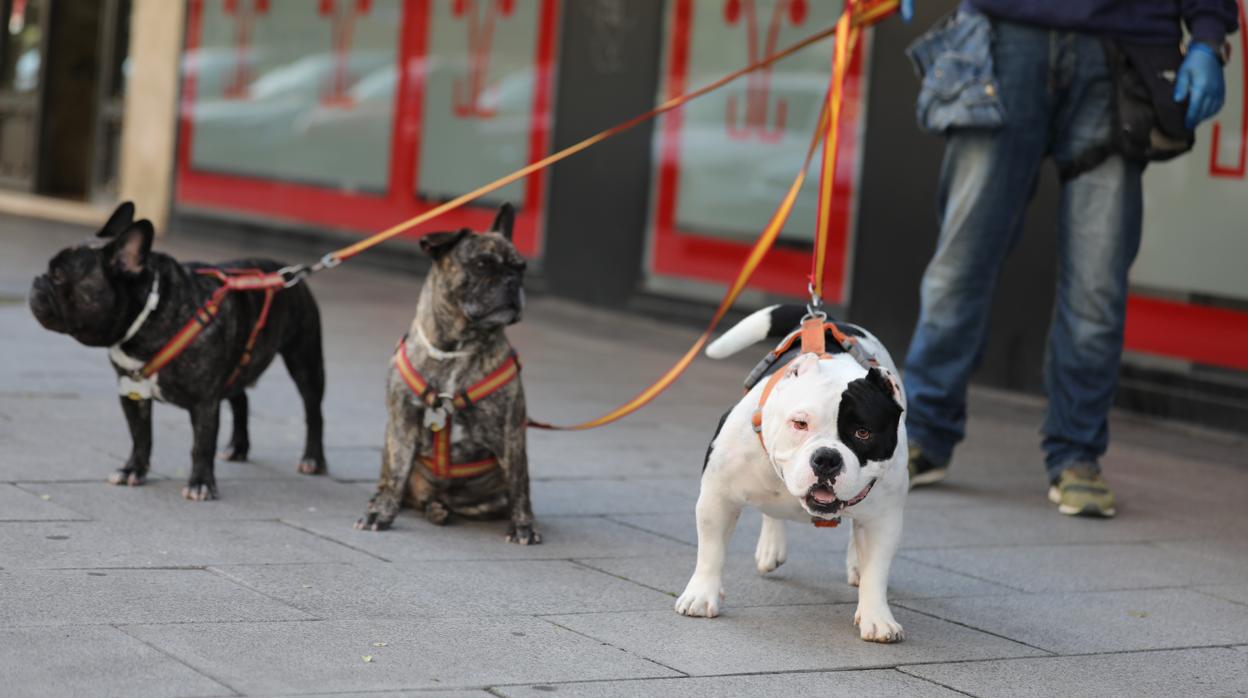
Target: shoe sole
(931,477)
(1090,511)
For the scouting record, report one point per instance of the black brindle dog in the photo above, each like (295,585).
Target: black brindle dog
(115,292)
(455,439)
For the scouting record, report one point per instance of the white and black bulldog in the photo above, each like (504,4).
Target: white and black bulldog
(828,442)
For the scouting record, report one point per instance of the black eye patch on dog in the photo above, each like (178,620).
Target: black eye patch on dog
(867,405)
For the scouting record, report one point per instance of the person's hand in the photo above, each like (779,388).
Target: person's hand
(1199,81)
(907,10)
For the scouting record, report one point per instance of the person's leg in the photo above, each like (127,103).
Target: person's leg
(986,179)
(1098,237)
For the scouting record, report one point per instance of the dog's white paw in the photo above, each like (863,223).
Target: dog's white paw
(878,625)
(769,554)
(700,599)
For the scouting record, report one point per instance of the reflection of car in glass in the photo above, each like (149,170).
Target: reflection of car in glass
(730,186)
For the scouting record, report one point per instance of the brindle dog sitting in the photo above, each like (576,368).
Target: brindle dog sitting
(473,291)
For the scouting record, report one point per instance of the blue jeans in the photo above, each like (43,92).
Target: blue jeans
(1057,98)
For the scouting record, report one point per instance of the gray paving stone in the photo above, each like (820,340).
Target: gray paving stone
(603,497)
(1213,671)
(1101,621)
(1083,567)
(251,499)
(90,597)
(803,579)
(170,543)
(563,537)
(93,661)
(784,638)
(326,656)
(468,693)
(461,588)
(884,683)
(21,505)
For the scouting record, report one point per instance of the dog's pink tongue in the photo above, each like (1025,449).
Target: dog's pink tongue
(823,495)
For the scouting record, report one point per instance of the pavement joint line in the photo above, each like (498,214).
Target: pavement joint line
(653,533)
(332,540)
(620,577)
(902,604)
(179,660)
(612,645)
(1214,596)
(934,682)
(1074,655)
(960,573)
(243,585)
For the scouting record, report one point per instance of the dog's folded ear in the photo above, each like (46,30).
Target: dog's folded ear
(436,245)
(119,221)
(504,221)
(803,365)
(129,249)
(877,378)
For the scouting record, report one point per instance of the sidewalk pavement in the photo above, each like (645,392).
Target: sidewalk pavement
(268,591)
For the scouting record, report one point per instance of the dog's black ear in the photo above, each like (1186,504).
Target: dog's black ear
(505,220)
(877,378)
(129,250)
(436,245)
(119,221)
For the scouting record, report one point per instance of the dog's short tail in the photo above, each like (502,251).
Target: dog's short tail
(775,321)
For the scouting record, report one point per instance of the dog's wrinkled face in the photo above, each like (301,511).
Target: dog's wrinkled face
(89,291)
(480,275)
(830,427)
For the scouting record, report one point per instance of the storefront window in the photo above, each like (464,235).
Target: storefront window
(296,90)
(725,161)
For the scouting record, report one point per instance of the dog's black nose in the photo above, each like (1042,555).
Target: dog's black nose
(826,463)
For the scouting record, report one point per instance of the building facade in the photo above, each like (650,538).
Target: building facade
(347,116)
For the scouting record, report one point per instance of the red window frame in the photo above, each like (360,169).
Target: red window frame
(364,212)
(685,254)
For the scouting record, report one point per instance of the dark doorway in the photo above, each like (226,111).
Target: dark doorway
(23,48)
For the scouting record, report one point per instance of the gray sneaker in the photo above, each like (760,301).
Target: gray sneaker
(1080,490)
(923,470)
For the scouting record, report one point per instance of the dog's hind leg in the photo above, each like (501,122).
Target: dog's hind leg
(139,420)
(240,442)
(306,364)
(772,549)
(853,571)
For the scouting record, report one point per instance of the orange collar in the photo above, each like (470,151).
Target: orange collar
(439,406)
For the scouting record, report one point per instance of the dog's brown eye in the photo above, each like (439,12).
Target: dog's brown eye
(800,425)
(862,434)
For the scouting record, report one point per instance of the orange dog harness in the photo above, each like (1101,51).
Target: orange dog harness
(439,406)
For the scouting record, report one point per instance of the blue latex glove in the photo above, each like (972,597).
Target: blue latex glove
(1200,82)
(907,10)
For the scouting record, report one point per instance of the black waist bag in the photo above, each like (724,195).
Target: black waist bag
(1149,123)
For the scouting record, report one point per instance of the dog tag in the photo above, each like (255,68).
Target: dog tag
(435,418)
(135,389)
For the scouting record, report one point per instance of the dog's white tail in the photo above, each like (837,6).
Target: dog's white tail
(754,328)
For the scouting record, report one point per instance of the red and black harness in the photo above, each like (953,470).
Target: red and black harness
(813,341)
(231,280)
(439,409)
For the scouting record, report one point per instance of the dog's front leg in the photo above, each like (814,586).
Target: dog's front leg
(717,517)
(139,420)
(205,421)
(397,461)
(515,464)
(876,542)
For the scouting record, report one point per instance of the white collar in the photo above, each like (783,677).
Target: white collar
(436,353)
(153,299)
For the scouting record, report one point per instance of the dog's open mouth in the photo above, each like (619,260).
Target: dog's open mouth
(821,499)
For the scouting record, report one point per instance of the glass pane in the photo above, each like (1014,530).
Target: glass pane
(20,55)
(738,149)
(296,90)
(478,96)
